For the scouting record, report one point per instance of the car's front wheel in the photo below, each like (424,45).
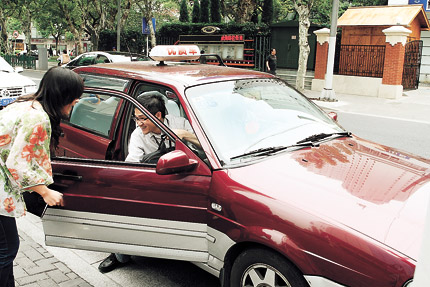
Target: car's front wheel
(264,268)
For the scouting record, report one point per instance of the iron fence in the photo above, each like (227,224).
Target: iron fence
(27,62)
(412,65)
(261,51)
(360,60)
(167,40)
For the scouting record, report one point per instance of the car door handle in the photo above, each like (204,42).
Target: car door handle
(68,176)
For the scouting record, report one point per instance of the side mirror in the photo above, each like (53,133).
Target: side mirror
(174,162)
(333,115)
(19,69)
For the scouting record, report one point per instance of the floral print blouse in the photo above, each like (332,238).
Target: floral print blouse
(25,133)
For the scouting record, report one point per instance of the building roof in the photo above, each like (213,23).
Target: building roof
(402,15)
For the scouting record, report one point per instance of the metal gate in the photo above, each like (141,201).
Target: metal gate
(261,51)
(412,64)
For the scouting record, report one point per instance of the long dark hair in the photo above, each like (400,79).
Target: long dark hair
(59,87)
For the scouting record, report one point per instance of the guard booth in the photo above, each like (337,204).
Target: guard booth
(362,48)
(285,39)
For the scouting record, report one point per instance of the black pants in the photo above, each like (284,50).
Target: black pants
(9,244)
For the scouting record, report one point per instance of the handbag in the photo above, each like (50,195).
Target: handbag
(153,157)
(34,203)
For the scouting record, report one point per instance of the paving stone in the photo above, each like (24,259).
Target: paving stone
(47,283)
(47,261)
(33,254)
(40,269)
(72,275)
(18,272)
(57,276)
(32,278)
(85,284)
(63,268)
(35,284)
(47,254)
(72,283)
(24,262)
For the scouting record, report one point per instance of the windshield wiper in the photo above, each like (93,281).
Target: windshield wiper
(272,150)
(318,137)
(261,151)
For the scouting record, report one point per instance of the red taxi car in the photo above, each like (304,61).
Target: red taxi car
(276,194)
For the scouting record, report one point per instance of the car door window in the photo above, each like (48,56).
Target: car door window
(175,119)
(86,60)
(111,83)
(102,59)
(95,112)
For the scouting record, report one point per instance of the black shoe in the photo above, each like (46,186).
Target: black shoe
(109,264)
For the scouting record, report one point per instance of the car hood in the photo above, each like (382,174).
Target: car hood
(13,79)
(373,189)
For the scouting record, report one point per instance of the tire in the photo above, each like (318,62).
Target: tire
(264,268)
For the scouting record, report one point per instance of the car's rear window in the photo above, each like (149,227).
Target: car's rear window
(105,82)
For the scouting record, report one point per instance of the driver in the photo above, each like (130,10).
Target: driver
(145,140)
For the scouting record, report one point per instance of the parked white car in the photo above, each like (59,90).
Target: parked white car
(12,84)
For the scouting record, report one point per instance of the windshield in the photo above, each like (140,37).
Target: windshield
(246,115)
(4,66)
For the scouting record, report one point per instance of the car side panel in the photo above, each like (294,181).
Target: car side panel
(316,246)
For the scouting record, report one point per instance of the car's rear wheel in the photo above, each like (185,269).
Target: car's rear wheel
(264,268)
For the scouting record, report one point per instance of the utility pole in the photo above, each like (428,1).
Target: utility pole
(328,93)
(118,27)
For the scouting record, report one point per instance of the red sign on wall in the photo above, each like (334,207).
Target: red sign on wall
(231,38)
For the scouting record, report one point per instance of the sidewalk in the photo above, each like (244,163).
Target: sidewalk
(39,265)
(413,106)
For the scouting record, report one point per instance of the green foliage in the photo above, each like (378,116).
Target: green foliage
(321,11)
(14,24)
(196,12)
(215,11)
(183,12)
(358,3)
(69,36)
(132,41)
(248,29)
(267,15)
(204,11)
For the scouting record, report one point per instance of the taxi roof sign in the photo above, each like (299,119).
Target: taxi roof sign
(175,52)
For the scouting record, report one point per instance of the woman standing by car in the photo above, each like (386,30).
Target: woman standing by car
(29,131)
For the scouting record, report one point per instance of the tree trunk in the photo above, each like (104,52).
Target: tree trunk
(152,33)
(4,39)
(26,24)
(56,44)
(95,37)
(77,34)
(304,24)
